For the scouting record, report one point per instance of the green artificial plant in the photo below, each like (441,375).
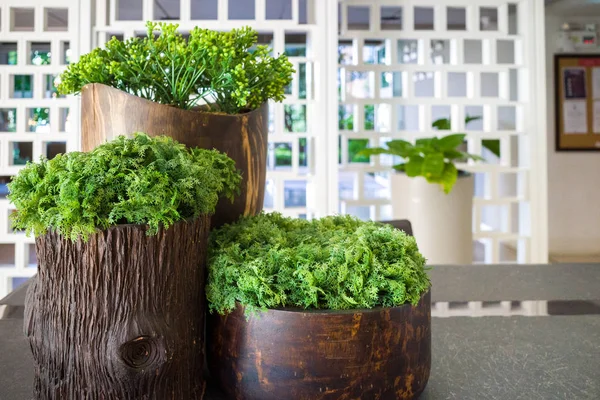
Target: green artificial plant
(432,158)
(142,180)
(445,124)
(337,263)
(227,71)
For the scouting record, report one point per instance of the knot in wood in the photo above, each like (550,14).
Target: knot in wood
(141,352)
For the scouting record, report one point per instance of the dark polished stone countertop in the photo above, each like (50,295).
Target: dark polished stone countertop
(541,357)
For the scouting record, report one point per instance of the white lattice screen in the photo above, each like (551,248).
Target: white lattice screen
(405,64)
(37,39)
(395,66)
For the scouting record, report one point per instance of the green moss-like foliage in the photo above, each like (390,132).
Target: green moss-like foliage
(226,70)
(142,180)
(337,263)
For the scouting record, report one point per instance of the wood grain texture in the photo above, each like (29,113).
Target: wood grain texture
(107,112)
(120,316)
(383,353)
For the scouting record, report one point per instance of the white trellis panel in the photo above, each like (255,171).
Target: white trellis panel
(440,58)
(490,308)
(297,131)
(403,64)
(38,38)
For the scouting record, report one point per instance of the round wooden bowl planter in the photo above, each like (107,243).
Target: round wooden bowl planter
(120,316)
(107,112)
(383,353)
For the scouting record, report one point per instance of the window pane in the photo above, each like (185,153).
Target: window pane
(8,119)
(129,10)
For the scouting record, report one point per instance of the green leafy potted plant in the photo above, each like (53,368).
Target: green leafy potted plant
(208,90)
(429,190)
(328,308)
(445,124)
(116,310)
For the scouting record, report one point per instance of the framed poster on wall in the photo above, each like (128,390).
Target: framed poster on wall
(577,98)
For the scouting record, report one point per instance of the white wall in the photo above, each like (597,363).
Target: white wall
(573,177)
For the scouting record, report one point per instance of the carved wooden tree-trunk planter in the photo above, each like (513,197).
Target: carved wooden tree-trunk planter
(107,112)
(383,353)
(120,316)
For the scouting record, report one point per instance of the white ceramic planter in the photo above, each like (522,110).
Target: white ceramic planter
(442,223)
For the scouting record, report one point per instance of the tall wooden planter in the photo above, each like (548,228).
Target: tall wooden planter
(108,112)
(120,316)
(383,353)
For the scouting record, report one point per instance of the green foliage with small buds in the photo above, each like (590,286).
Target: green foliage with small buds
(337,263)
(224,70)
(142,180)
